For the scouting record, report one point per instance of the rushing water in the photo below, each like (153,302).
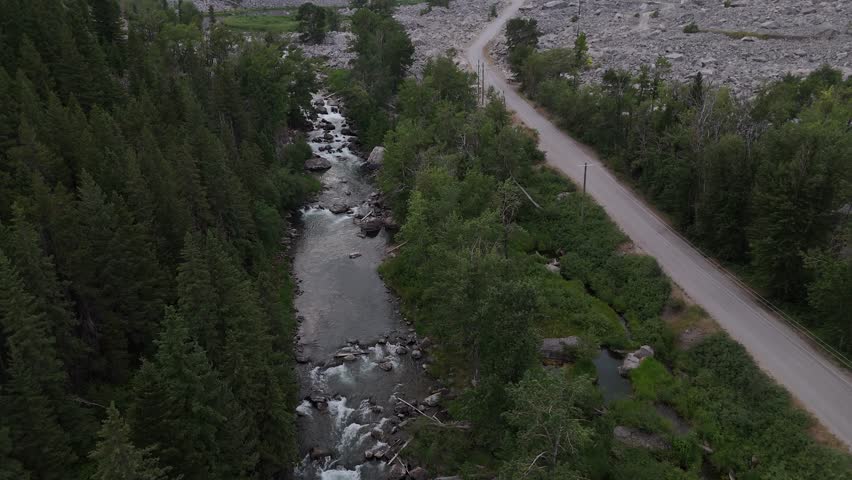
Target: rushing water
(344,304)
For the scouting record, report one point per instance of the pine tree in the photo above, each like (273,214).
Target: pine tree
(184,408)
(116,458)
(10,468)
(36,382)
(38,273)
(197,298)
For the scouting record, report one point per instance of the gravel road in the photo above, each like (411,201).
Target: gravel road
(824,389)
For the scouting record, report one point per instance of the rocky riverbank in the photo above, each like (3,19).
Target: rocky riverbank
(742,45)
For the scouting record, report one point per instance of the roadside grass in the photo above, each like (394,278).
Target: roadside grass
(261,23)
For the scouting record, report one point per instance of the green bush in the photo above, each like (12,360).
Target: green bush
(691,28)
(651,380)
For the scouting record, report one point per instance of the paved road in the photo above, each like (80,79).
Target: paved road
(820,386)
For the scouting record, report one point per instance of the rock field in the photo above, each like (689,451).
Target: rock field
(767,38)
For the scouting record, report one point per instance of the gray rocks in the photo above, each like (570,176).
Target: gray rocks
(371,227)
(317,164)
(418,473)
(554,4)
(397,472)
(354,255)
(339,208)
(638,439)
(376,158)
(318,453)
(634,359)
(558,350)
(618,38)
(553,266)
(387,365)
(433,400)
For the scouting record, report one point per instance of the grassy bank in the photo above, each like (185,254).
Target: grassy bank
(261,23)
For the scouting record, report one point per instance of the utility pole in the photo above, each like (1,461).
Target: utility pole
(583,199)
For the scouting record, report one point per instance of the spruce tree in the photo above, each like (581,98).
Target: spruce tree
(117,458)
(183,407)
(34,390)
(10,468)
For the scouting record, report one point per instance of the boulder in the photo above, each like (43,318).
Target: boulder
(396,472)
(558,350)
(400,350)
(319,453)
(634,359)
(386,366)
(372,227)
(376,158)
(391,223)
(633,437)
(317,164)
(433,400)
(554,4)
(418,473)
(354,255)
(416,354)
(553,266)
(339,208)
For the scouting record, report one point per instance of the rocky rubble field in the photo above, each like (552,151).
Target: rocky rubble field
(742,45)
(444,29)
(433,33)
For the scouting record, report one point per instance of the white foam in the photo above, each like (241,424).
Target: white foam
(340,372)
(342,474)
(350,437)
(305,409)
(339,412)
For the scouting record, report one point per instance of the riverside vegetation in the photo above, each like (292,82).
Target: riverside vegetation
(764,185)
(145,171)
(463,179)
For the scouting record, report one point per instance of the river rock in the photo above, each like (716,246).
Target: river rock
(391,223)
(318,453)
(636,438)
(433,400)
(376,158)
(400,350)
(397,472)
(416,354)
(418,473)
(371,227)
(354,255)
(386,365)
(553,266)
(349,358)
(634,359)
(328,137)
(339,208)
(317,164)
(558,350)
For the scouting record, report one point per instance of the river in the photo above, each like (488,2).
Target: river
(344,307)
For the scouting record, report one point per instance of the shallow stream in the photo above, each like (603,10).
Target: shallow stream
(345,309)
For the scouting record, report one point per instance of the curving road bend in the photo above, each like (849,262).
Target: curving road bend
(820,386)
